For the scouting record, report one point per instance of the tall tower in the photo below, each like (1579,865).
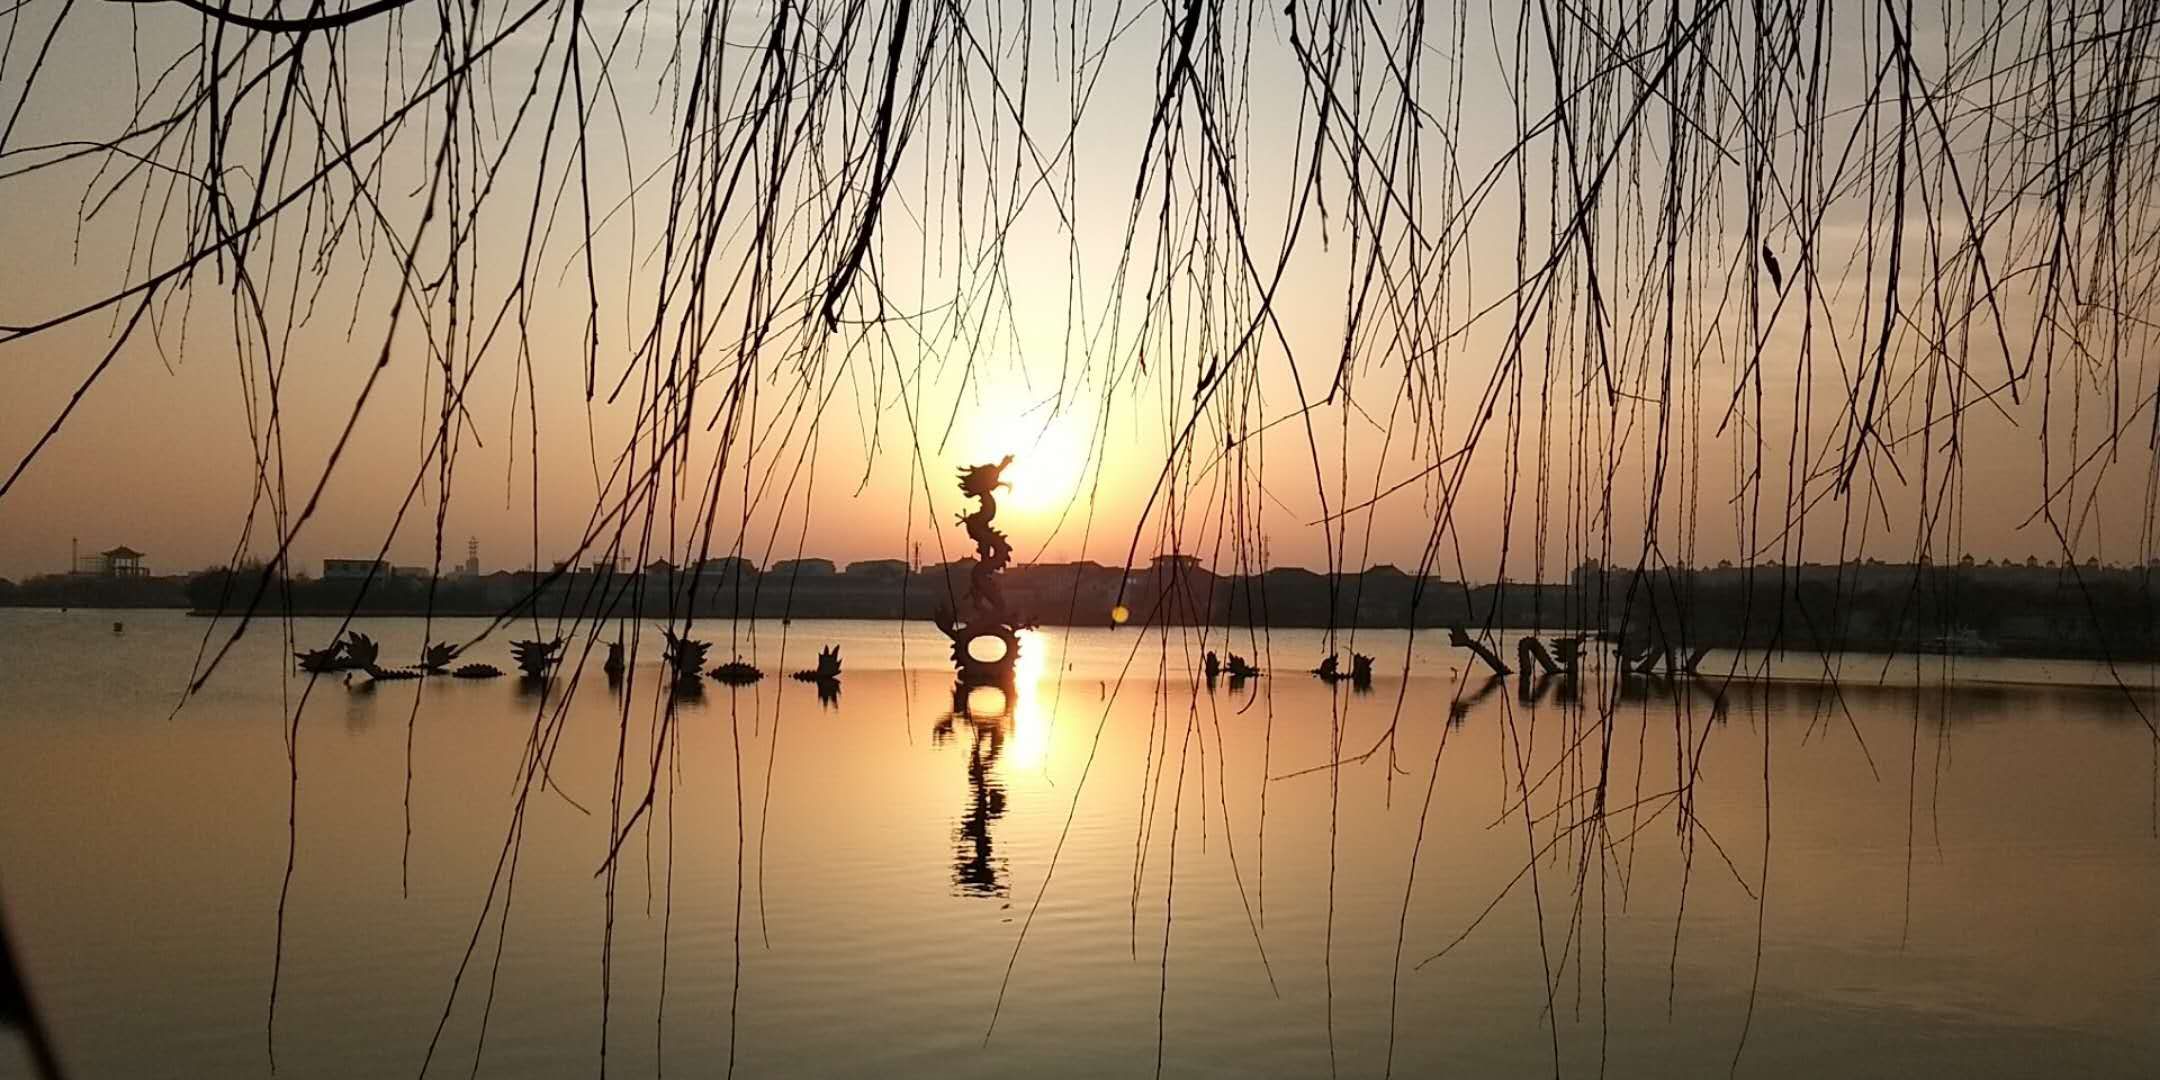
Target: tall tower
(472,557)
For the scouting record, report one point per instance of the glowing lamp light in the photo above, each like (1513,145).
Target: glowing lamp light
(1118,615)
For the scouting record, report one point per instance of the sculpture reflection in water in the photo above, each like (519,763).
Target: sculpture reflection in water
(986,650)
(987,712)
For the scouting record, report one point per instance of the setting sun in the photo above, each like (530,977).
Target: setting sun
(1050,461)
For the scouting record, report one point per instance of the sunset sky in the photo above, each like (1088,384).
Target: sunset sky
(1042,340)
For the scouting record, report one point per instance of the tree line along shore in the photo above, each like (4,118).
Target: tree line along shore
(2018,609)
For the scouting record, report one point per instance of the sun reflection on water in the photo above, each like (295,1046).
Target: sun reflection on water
(1031,721)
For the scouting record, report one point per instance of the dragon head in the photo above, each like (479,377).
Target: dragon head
(984,479)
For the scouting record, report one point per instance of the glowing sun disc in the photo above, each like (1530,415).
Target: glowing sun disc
(1049,462)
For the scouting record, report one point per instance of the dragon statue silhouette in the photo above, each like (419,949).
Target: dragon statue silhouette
(986,615)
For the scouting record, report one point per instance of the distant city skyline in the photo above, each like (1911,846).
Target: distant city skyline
(469,561)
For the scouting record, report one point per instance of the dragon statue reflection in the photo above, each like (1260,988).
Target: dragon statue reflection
(986,616)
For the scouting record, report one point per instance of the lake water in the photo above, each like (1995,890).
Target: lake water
(1913,872)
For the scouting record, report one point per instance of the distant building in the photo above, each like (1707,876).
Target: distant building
(1082,592)
(353,569)
(803,568)
(120,562)
(878,569)
(727,566)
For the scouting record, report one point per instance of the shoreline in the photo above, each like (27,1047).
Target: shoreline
(1866,647)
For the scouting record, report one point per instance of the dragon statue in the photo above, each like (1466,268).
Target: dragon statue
(987,615)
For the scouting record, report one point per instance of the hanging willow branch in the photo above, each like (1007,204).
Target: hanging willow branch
(1630,286)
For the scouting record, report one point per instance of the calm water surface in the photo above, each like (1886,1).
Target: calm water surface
(1960,875)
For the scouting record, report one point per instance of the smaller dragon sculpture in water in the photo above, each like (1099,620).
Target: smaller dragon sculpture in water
(987,614)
